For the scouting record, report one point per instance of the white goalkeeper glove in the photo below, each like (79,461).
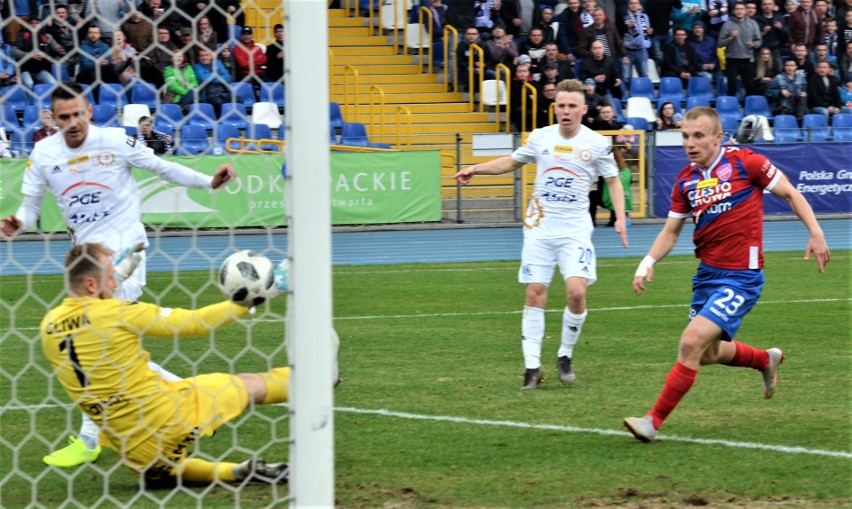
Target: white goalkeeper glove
(128,260)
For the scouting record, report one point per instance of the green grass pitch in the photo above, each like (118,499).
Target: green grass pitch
(429,411)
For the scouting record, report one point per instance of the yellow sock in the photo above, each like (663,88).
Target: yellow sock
(277,382)
(200,471)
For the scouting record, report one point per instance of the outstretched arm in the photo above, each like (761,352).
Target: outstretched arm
(616,193)
(663,244)
(493,167)
(800,206)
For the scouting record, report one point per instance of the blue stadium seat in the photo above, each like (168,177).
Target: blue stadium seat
(282,133)
(699,86)
(672,87)
(244,93)
(841,127)
(9,117)
(786,129)
(170,114)
(165,129)
(225,131)
(31,116)
(60,72)
(815,128)
(16,96)
(727,105)
(193,140)
(643,87)
(105,115)
(616,105)
(41,95)
(234,114)
(144,93)
(639,123)
(758,105)
(335,116)
(694,102)
(112,94)
(131,130)
(354,134)
(273,93)
(730,125)
(202,114)
(89,94)
(722,87)
(262,132)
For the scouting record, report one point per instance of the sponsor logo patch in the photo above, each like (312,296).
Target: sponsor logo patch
(55,170)
(79,159)
(707,183)
(565,149)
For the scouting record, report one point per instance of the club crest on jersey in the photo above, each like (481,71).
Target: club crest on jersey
(724,171)
(105,158)
(584,155)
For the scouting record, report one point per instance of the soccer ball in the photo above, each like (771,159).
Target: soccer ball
(247,278)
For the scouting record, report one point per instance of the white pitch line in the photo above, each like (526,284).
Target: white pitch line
(546,427)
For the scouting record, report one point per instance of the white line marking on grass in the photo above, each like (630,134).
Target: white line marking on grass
(596,431)
(527,425)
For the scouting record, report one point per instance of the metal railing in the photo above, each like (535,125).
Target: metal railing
(449,45)
(356,94)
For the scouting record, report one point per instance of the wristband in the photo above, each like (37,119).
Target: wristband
(644,265)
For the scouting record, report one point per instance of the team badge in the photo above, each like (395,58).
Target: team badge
(534,214)
(105,158)
(584,155)
(724,172)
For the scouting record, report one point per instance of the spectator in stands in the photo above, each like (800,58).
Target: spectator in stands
(95,60)
(214,80)
(686,19)
(789,92)
(123,58)
(717,14)
(603,31)
(603,70)
(790,7)
(501,48)
(604,122)
(460,14)
(704,45)
(519,16)
(842,10)
(570,30)
(660,14)
(803,63)
(546,25)
(227,59)
(552,57)
(773,31)
(549,74)
(106,15)
(249,58)
(439,17)
(844,61)
(594,101)
(680,59)
(831,38)
(181,83)
(846,93)
(63,29)
(48,126)
(804,25)
(766,68)
(7,64)
(205,35)
(275,56)
(487,15)
(153,62)
(844,31)
(821,10)
(162,15)
(20,13)
(187,44)
(546,97)
(740,37)
(667,119)
(34,50)
(637,39)
(138,31)
(471,37)
(519,96)
(534,48)
(161,143)
(820,53)
(823,93)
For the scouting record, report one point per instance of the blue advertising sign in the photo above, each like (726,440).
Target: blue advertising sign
(822,172)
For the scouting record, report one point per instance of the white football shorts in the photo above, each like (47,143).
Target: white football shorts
(539,257)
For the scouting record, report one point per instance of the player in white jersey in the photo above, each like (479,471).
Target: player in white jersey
(557,227)
(88,171)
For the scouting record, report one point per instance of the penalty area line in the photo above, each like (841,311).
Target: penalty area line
(597,431)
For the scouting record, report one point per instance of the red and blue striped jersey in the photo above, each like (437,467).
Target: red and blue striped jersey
(726,204)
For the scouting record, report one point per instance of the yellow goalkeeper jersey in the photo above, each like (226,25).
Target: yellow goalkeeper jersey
(94,346)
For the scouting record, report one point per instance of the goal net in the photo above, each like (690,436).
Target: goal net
(201,84)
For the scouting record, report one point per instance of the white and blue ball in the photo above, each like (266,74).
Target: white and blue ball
(247,278)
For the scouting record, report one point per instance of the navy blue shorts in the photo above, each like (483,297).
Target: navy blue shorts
(725,296)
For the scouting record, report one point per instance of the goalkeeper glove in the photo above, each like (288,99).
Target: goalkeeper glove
(127,261)
(282,279)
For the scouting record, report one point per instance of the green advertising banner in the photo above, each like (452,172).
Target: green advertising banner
(366,188)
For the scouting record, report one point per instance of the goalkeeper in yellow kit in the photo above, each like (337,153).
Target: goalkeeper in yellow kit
(93,342)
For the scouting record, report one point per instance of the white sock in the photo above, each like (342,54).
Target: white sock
(532,330)
(89,432)
(164,374)
(572,325)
